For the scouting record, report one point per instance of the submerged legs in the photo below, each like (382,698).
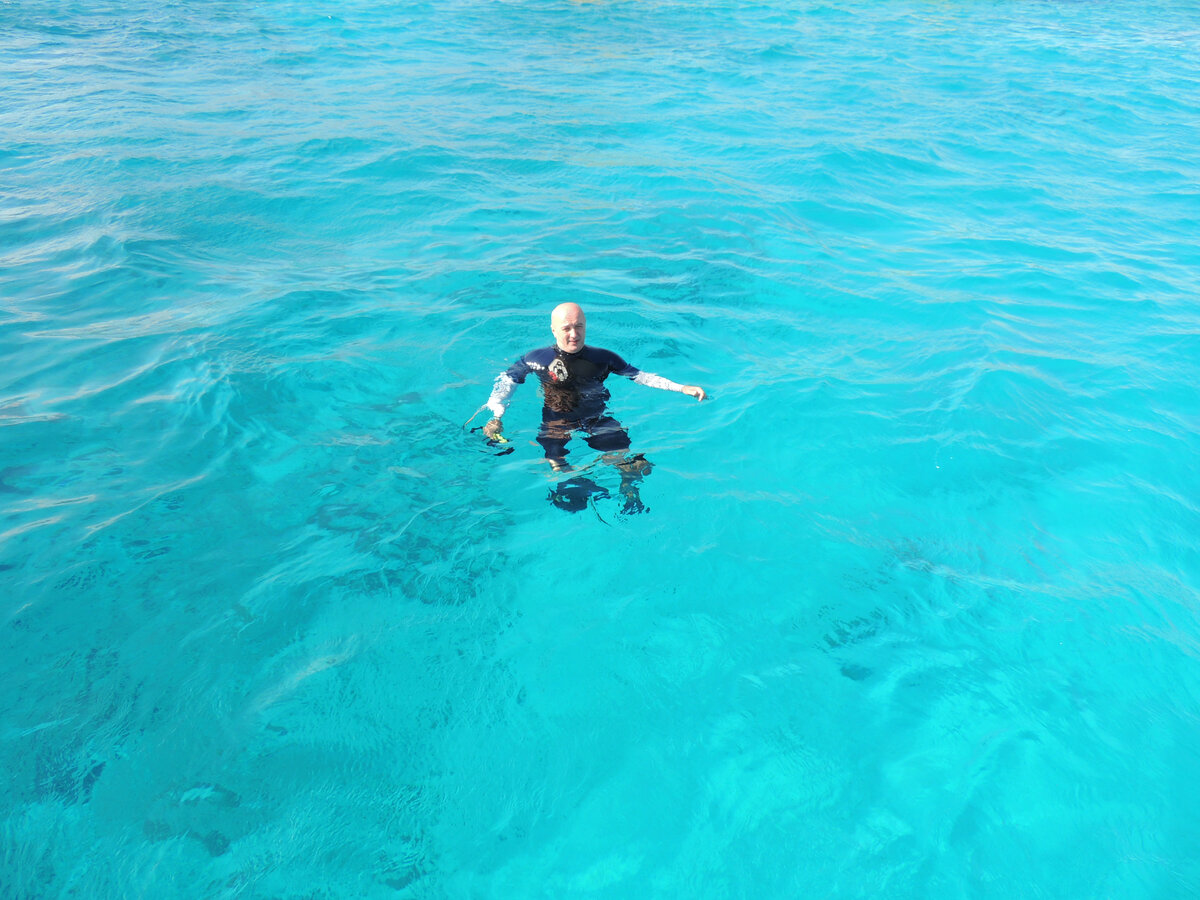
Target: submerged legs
(633,469)
(605,434)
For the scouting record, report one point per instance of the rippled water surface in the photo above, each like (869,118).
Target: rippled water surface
(915,610)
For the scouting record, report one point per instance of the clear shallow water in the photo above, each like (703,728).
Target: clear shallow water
(914,611)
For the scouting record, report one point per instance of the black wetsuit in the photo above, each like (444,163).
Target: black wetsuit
(574,395)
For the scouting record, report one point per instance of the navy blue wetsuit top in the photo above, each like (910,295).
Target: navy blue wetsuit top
(572,383)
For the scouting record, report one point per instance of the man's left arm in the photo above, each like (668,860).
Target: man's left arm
(665,384)
(656,381)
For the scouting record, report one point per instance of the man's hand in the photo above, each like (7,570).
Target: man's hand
(693,391)
(493,428)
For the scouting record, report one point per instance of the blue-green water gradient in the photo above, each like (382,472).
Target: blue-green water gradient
(915,610)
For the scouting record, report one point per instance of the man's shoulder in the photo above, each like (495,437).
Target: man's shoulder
(543,356)
(608,360)
(600,355)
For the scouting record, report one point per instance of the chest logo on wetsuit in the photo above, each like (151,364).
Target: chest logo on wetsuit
(558,370)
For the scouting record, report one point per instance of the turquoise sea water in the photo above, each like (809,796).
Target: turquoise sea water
(915,611)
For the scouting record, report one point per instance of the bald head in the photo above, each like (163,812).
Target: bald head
(568,324)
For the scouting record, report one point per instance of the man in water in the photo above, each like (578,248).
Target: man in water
(572,376)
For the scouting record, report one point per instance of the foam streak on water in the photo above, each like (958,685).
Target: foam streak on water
(915,611)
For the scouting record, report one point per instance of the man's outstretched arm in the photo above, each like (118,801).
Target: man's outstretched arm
(665,384)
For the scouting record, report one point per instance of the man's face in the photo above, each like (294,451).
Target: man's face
(568,324)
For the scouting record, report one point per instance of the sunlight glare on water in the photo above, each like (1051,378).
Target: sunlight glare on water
(914,608)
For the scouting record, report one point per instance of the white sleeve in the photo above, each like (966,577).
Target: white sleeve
(657,381)
(502,389)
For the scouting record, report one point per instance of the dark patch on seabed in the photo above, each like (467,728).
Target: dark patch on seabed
(208,813)
(72,782)
(12,472)
(414,545)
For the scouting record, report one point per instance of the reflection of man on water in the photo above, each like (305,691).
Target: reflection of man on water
(572,376)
